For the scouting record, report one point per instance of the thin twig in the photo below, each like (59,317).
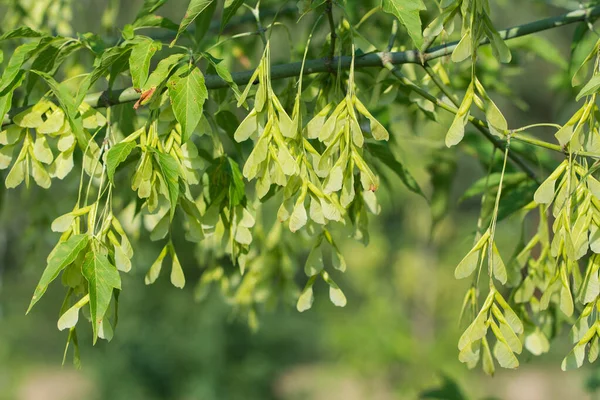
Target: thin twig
(393,35)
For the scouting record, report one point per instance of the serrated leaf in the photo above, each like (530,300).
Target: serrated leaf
(154,21)
(19,56)
(102,278)
(229,10)
(21,32)
(139,60)
(407,12)
(188,93)
(195,8)
(63,255)
(115,156)
(160,73)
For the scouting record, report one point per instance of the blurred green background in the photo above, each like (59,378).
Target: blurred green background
(396,338)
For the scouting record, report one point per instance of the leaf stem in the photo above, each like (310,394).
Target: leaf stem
(329,12)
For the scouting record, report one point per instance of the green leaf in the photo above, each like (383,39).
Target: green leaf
(229,10)
(103,65)
(383,153)
(21,32)
(170,171)
(224,73)
(149,7)
(407,11)
(115,156)
(203,23)
(154,21)
(499,48)
(236,184)
(19,56)
(102,278)
(139,60)
(63,255)
(188,93)
(195,8)
(161,72)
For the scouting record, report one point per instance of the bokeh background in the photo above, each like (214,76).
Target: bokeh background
(395,339)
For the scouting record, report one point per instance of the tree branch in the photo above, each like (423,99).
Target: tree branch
(120,96)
